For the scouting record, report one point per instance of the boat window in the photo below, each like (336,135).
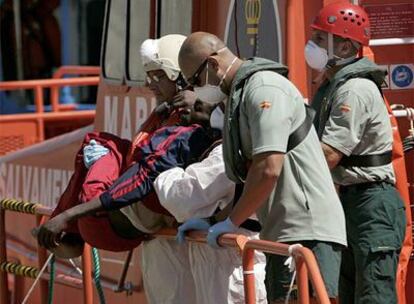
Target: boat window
(176,17)
(113,47)
(139,30)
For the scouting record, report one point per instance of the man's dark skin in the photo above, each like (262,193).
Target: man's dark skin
(194,111)
(265,167)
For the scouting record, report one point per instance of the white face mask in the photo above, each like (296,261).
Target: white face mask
(319,59)
(316,57)
(217,119)
(212,93)
(209,93)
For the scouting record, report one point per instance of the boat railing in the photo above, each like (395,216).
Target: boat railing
(306,265)
(69,70)
(41,214)
(24,129)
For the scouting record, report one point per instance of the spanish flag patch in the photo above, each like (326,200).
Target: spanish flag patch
(345,108)
(265,104)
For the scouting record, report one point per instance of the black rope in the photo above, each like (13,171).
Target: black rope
(236,39)
(408,143)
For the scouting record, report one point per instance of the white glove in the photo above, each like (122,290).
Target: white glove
(92,152)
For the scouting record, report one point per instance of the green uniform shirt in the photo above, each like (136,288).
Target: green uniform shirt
(304,205)
(359,124)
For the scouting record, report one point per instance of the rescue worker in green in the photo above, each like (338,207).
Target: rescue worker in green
(356,137)
(271,147)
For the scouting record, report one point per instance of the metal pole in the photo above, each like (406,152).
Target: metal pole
(121,283)
(2,94)
(159,12)
(65,14)
(248,276)
(4,284)
(302,280)
(41,259)
(18,289)
(87,272)
(18,34)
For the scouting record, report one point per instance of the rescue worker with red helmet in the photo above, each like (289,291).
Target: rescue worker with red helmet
(356,137)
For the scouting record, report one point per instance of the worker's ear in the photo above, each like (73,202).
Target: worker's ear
(213,63)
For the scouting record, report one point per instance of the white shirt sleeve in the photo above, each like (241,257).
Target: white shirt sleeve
(196,191)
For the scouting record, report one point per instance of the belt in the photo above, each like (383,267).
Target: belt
(364,186)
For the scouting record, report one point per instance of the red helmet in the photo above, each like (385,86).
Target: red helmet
(345,20)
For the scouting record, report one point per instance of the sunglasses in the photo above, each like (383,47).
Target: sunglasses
(155,78)
(195,80)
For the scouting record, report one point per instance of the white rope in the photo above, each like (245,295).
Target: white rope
(290,262)
(248,272)
(400,110)
(397,106)
(290,288)
(410,116)
(37,279)
(75,266)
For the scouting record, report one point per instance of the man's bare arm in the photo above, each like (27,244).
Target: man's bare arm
(48,234)
(261,180)
(332,156)
(81,210)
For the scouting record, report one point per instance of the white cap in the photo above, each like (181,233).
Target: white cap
(162,54)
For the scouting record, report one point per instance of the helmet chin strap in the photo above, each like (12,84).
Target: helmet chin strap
(333,59)
(331,62)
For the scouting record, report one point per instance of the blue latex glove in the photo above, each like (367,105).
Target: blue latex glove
(191,224)
(218,229)
(92,152)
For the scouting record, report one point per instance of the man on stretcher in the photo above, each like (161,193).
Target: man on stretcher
(111,173)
